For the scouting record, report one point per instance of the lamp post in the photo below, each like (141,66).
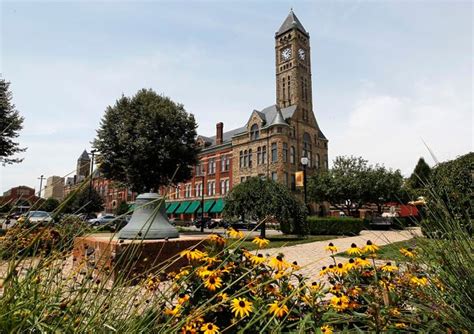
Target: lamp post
(91,175)
(304,162)
(41,178)
(203,175)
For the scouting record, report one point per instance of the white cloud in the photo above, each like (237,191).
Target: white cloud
(391,129)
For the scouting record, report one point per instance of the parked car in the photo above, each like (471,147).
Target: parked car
(199,221)
(103,221)
(36,217)
(241,224)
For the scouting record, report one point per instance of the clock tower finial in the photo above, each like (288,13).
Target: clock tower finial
(293,67)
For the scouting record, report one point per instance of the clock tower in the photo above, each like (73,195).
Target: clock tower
(293,68)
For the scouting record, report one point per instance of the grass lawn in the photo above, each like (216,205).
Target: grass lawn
(391,251)
(284,240)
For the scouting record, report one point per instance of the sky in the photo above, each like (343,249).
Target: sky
(391,79)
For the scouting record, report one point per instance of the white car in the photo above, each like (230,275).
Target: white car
(36,217)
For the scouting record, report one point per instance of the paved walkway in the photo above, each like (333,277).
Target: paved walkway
(312,256)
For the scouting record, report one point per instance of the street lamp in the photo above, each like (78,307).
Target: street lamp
(203,175)
(41,178)
(304,162)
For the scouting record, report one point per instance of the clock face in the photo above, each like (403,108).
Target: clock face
(301,54)
(286,54)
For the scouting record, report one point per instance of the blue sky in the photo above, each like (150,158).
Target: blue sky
(386,75)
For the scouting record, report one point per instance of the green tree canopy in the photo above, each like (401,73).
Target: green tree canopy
(49,205)
(262,199)
(84,201)
(421,175)
(352,182)
(143,139)
(10,124)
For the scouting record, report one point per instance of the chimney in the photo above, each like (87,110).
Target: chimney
(219,133)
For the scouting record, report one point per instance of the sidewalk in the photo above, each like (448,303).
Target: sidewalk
(312,256)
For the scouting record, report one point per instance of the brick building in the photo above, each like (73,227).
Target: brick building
(21,198)
(270,144)
(54,188)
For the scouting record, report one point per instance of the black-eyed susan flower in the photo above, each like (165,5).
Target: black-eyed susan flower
(323,271)
(241,307)
(213,282)
(234,234)
(340,303)
(173,311)
(331,248)
(257,259)
(388,267)
(278,309)
(192,255)
(261,242)
(181,274)
(211,260)
(407,252)
(279,263)
(362,262)
(419,280)
(222,297)
(326,329)
(400,325)
(182,298)
(216,239)
(370,247)
(209,328)
(354,250)
(350,264)
(340,269)
(395,312)
(295,266)
(354,292)
(315,286)
(188,329)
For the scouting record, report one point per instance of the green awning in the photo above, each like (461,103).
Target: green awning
(182,207)
(193,207)
(172,207)
(208,205)
(167,205)
(218,207)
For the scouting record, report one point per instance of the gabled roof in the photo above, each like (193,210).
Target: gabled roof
(84,156)
(278,119)
(291,22)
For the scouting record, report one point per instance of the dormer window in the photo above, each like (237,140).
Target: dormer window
(254,132)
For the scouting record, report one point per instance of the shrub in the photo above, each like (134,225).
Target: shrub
(334,225)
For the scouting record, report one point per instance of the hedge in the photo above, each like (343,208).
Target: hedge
(334,225)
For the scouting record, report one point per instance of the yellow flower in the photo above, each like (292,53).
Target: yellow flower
(370,247)
(388,267)
(222,297)
(181,274)
(323,271)
(278,310)
(280,274)
(354,292)
(209,328)
(295,266)
(235,234)
(212,283)
(204,272)
(173,311)
(395,312)
(362,262)
(340,269)
(354,250)
(193,254)
(183,298)
(279,263)
(211,260)
(350,265)
(257,259)
(241,307)
(331,248)
(340,303)
(400,325)
(420,281)
(188,329)
(407,252)
(326,329)
(217,239)
(261,242)
(315,286)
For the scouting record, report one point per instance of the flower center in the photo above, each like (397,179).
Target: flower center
(210,326)
(279,258)
(354,246)
(242,303)
(369,242)
(212,280)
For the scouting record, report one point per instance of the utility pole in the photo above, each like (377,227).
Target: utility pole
(41,178)
(91,176)
(203,175)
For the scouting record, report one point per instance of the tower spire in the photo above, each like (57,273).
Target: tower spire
(291,22)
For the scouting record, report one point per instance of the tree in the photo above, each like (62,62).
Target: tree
(262,199)
(10,124)
(146,141)
(122,208)
(50,205)
(352,182)
(85,201)
(421,175)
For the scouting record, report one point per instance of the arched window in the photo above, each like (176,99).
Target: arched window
(254,132)
(317,163)
(307,151)
(292,154)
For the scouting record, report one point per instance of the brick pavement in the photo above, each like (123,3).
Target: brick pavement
(312,256)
